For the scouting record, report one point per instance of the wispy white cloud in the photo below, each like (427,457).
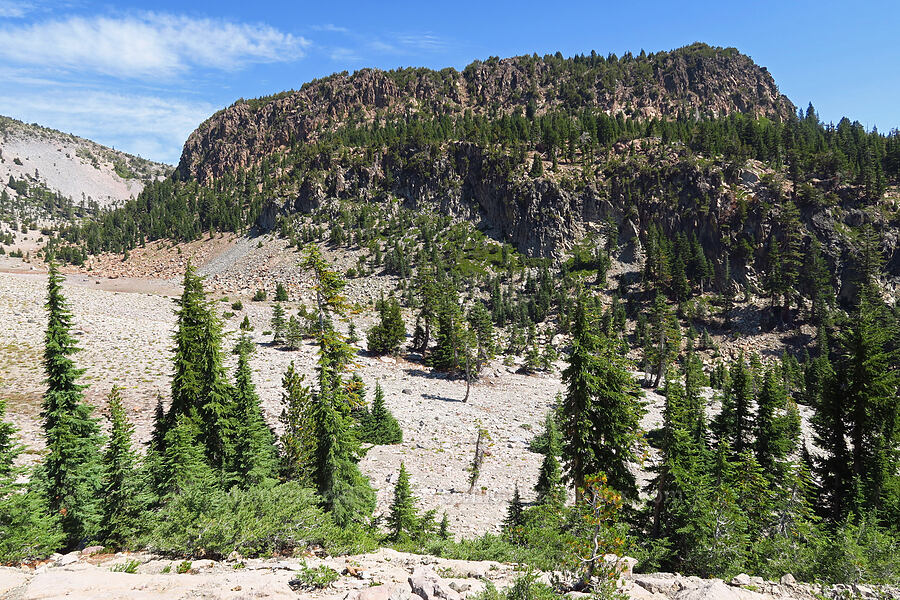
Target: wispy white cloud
(14,10)
(153,126)
(149,45)
(330,28)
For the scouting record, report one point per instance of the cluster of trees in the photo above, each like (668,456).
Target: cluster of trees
(211,450)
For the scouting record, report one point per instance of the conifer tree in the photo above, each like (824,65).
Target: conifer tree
(200,389)
(733,423)
(601,410)
(278,323)
(334,448)
(121,501)
(387,335)
(293,333)
(402,519)
(772,441)
(380,427)
(295,439)
(27,529)
(70,471)
(868,379)
(254,459)
(182,465)
(515,512)
(549,487)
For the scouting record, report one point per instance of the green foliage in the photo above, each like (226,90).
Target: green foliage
(129,567)
(314,578)
(601,410)
(281,294)
(403,519)
(378,426)
(70,471)
(549,488)
(122,499)
(27,529)
(254,459)
(258,521)
(387,335)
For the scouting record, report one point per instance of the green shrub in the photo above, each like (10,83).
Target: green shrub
(259,296)
(255,522)
(183,567)
(237,305)
(317,578)
(126,567)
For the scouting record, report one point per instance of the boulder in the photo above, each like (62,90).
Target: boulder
(426,584)
(788,579)
(68,559)
(741,579)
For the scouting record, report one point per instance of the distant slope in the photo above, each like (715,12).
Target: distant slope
(694,81)
(54,174)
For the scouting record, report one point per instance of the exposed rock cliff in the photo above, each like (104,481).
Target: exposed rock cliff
(696,80)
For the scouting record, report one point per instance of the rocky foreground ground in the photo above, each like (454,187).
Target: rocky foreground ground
(382,575)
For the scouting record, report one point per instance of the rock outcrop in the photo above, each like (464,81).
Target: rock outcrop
(695,80)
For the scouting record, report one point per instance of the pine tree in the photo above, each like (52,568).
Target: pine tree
(70,470)
(537,166)
(380,427)
(293,335)
(515,513)
(868,378)
(254,459)
(334,449)
(733,423)
(549,487)
(27,529)
(278,323)
(281,294)
(386,336)
(601,411)
(770,426)
(295,439)
(121,501)
(200,389)
(402,519)
(182,465)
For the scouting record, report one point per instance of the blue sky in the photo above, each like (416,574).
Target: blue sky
(142,76)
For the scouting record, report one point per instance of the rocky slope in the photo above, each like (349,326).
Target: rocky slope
(695,80)
(78,171)
(382,575)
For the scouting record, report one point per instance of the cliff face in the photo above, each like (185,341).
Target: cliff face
(695,81)
(725,203)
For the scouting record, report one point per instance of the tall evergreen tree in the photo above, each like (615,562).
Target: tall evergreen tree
(121,501)
(402,520)
(71,468)
(295,440)
(200,389)
(868,377)
(278,323)
(549,487)
(771,426)
(254,459)
(601,410)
